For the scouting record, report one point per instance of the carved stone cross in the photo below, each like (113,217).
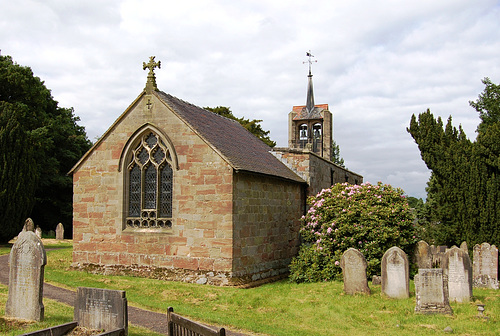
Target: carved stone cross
(151,65)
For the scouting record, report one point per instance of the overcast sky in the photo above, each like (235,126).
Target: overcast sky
(378,62)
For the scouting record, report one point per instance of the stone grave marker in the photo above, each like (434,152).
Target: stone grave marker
(431,292)
(485,266)
(38,232)
(102,309)
(26,261)
(464,247)
(395,274)
(59,231)
(458,268)
(423,255)
(353,265)
(438,255)
(29,225)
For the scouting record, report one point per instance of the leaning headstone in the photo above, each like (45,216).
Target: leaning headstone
(29,225)
(423,255)
(464,247)
(485,266)
(102,309)
(458,267)
(59,231)
(27,261)
(38,232)
(431,292)
(353,265)
(395,274)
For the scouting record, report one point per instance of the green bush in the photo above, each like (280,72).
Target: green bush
(370,218)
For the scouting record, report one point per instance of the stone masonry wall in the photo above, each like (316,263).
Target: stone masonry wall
(266,225)
(318,172)
(201,237)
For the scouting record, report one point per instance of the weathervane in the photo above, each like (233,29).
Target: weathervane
(310,61)
(151,82)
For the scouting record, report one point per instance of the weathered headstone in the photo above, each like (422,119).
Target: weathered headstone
(485,266)
(458,267)
(431,292)
(438,255)
(38,232)
(59,231)
(376,281)
(423,255)
(102,309)
(353,265)
(29,225)
(27,260)
(464,247)
(395,274)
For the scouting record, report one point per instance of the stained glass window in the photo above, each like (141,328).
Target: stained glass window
(150,184)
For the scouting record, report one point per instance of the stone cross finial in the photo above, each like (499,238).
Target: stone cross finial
(151,65)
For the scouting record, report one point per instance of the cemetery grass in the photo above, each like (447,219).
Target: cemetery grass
(285,308)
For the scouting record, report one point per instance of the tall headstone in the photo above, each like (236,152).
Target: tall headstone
(423,255)
(27,261)
(353,265)
(464,247)
(38,232)
(59,231)
(458,267)
(29,225)
(431,292)
(395,273)
(102,309)
(485,273)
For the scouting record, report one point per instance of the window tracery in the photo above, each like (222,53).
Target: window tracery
(150,184)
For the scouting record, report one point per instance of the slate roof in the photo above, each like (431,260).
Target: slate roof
(303,113)
(240,148)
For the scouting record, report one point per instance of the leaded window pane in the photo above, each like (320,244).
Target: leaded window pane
(151,140)
(150,187)
(134,204)
(159,155)
(166,191)
(143,155)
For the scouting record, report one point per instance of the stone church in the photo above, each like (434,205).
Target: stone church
(174,191)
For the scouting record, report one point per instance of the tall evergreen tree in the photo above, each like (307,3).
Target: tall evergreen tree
(463,191)
(45,142)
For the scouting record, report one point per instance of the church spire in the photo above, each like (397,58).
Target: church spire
(310,93)
(151,82)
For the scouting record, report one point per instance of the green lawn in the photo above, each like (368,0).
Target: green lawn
(285,308)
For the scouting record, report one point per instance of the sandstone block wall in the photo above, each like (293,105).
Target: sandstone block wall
(266,225)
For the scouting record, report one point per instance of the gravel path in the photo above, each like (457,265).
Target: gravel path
(156,322)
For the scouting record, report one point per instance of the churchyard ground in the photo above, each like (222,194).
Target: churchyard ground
(280,308)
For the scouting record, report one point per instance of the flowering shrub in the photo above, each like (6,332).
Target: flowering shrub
(370,218)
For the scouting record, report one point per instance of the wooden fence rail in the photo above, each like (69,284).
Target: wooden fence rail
(181,326)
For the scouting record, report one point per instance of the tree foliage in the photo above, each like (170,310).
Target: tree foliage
(253,126)
(463,191)
(370,218)
(336,158)
(39,142)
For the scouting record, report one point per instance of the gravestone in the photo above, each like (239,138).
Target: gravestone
(485,266)
(431,292)
(26,261)
(59,231)
(458,268)
(38,232)
(353,265)
(29,225)
(395,274)
(376,281)
(464,247)
(102,309)
(438,255)
(423,255)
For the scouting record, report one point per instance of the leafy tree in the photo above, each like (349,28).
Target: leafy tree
(370,218)
(49,141)
(463,191)
(253,126)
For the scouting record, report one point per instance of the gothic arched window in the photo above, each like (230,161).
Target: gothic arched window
(149,184)
(303,132)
